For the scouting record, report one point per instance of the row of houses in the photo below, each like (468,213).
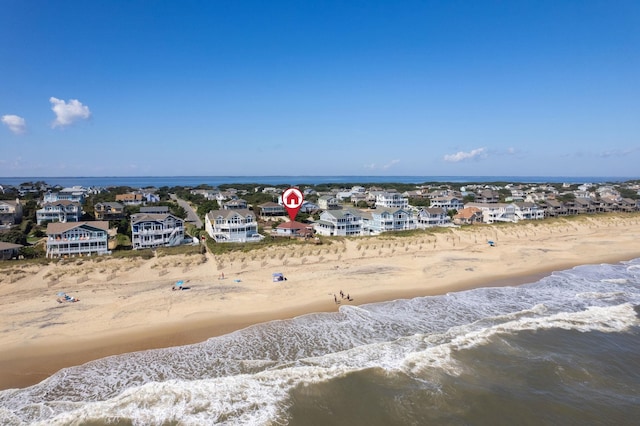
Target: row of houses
(86,238)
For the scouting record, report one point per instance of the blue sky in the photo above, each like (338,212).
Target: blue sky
(147,88)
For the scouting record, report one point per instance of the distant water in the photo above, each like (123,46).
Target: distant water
(561,351)
(191,181)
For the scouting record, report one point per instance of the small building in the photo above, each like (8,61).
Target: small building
(294,229)
(77,238)
(468,216)
(9,250)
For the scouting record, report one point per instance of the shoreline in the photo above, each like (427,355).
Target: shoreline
(18,366)
(42,336)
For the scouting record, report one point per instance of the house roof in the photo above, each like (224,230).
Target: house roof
(270,204)
(154,209)
(60,227)
(294,225)
(151,217)
(62,203)
(227,213)
(111,204)
(468,212)
(9,246)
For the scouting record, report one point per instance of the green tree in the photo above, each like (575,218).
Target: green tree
(419,202)
(14,236)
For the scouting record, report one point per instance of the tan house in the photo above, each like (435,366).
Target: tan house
(108,211)
(468,216)
(132,199)
(10,212)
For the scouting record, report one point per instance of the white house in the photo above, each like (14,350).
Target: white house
(77,238)
(388,219)
(339,223)
(496,212)
(528,211)
(392,200)
(232,226)
(430,217)
(149,230)
(328,202)
(76,194)
(447,202)
(10,212)
(59,211)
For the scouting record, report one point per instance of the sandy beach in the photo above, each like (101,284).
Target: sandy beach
(128,304)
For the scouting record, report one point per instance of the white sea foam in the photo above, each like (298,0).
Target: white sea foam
(245,377)
(603,319)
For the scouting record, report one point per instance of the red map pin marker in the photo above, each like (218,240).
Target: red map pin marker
(292,199)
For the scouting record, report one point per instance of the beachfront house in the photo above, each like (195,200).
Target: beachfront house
(495,212)
(232,226)
(77,238)
(108,211)
(428,217)
(339,223)
(150,230)
(59,211)
(293,229)
(10,212)
(528,211)
(388,219)
(468,216)
(554,208)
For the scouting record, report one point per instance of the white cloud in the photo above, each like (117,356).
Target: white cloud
(374,166)
(68,113)
(15,123)
(461,155)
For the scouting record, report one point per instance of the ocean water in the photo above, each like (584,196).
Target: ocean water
(191,181)
(561,351)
